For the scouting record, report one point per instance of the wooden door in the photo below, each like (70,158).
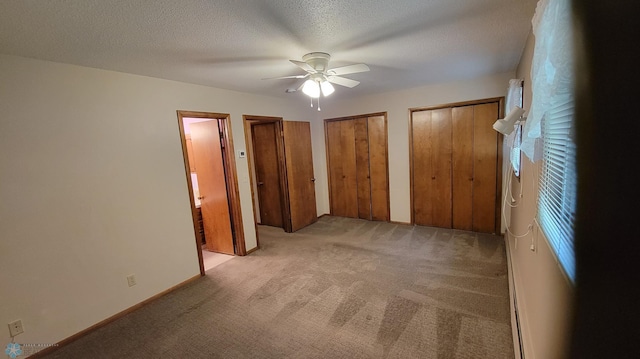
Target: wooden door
(431,142)
(265,151)
(363,178)
(341,156)
(300,177)
(485,168)
(214,203)
(378,168)
(358,167)
(473,147)
(192,166)
(463,128)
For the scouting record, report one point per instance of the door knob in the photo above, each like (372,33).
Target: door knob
(200,197)
(260,183)
(313,180)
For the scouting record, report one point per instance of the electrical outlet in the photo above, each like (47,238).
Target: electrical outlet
(16,328)
(131,279)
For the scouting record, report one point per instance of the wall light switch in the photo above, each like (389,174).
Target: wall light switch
(242,154)
(131,280)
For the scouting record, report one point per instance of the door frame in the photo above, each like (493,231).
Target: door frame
(248,121)
(500,101)
(231,176)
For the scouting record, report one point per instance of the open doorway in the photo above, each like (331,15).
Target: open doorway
(266,154)
(213,188)
(281,172)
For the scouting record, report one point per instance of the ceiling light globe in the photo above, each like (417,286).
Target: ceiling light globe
(311,89)
(327,88)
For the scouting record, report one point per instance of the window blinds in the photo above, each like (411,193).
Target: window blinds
(557,191)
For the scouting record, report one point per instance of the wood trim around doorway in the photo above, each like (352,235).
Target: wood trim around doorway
(231,175)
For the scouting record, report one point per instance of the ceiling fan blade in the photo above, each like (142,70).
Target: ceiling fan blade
(342,81)
(303,65)
(287,77)
(349,69)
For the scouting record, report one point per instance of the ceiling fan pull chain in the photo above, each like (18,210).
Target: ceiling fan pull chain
(318,103)
(311,98)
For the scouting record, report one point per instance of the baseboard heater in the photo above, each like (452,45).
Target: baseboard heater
(515,305)
(514,302)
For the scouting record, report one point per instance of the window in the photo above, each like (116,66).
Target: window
(515,150)
(557,196)
(551,118)
(514,139)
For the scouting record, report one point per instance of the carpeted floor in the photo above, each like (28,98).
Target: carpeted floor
(340,288)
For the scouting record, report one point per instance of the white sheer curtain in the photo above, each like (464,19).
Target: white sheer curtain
(552,67)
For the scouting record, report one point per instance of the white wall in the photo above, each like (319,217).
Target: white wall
(93,188)
(397,105)
(543,292)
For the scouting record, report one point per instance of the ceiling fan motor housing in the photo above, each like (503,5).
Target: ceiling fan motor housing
(318,60)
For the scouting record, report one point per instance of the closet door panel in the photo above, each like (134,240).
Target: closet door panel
(342,168)
(378,168)
(362,167)
(462,191)
(422,168)
(431,131)
(441,121)
(485,149)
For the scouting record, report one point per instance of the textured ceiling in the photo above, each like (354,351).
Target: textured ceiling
(235,44)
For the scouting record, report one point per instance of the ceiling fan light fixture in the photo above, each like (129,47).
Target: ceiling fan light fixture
(327,88)
(320,78)
(311,88)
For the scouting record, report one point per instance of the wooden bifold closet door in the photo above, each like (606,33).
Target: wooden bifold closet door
(455,165)
(432,167)
(358,168)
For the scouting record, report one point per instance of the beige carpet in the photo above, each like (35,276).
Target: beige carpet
(340,288)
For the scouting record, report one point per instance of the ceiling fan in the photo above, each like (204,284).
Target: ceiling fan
(320,77)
